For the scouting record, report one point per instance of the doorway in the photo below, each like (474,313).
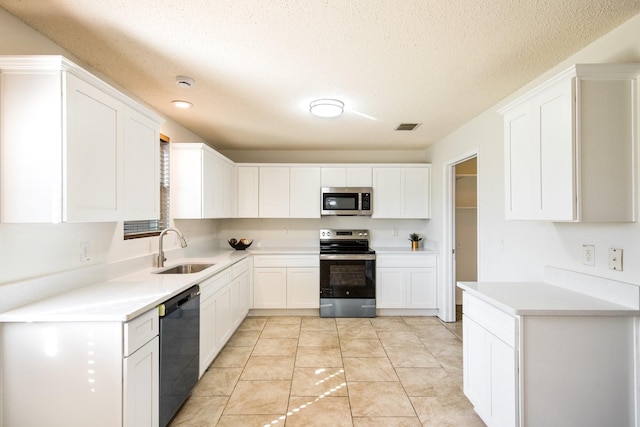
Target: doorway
(465,226)
(460,240)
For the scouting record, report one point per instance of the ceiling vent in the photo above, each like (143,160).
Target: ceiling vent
(407,126)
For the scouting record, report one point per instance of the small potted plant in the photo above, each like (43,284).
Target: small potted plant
(415,238)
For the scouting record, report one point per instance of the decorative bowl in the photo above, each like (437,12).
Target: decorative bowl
(239,245)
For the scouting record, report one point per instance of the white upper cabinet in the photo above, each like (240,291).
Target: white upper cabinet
(351,176)
(66,143)
(273,197)
(248,186)
(570,147)
(401,192)
(141,167)
(304,192)
(271,191)
(203,182)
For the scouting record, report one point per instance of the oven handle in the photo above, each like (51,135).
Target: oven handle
(347,257)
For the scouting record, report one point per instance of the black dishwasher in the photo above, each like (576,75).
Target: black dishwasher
(179,351)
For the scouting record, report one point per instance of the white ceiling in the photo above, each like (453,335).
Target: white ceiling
(258,63)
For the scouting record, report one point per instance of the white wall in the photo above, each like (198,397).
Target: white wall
(518,250)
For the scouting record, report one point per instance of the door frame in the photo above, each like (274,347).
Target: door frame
(448,311)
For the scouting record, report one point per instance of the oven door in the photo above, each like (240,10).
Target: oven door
(347,276)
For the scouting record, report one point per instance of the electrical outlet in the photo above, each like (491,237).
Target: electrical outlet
(589,255)
(615,259)
(85,251)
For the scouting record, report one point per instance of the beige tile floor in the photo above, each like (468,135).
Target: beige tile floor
(311,371)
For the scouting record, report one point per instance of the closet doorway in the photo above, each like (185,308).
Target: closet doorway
(465,225)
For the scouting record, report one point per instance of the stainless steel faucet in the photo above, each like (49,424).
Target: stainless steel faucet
(161,259)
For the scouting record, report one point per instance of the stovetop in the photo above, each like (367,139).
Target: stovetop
(345,242)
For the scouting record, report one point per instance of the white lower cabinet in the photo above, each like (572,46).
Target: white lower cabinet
(490,380)
(406,281)
(141,389)
(286,281)
(538,370)
(224,303)
(100,374)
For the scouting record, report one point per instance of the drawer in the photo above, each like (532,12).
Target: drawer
(239,267)
(406,261)
(140,331)
(286,261)
(504,326)
(214,284)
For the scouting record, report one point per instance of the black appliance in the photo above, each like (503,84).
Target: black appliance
(346,201)
(179,351)
(347,274)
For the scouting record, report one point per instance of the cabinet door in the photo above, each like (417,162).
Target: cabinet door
(142,386)
(476,367)
(223,316)
(415,193)
(421,288)
(490,369)
(346,177)
(270,287)
(92,174)
(333,177)
(186,182)
(519,162)
(31,160)
(208,348)
(554,192)
(248,191)
(223,190)
(303,288)
(359,177)
(141,175)
(390,288)
(274,192)
(305,192)
(387,193)
(245,293)
(503,382)
(209,187)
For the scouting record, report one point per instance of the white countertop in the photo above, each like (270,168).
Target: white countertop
(124,298)
(277,250)
(404,250)
(543,299)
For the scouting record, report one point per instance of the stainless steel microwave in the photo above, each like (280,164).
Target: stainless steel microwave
(346,201)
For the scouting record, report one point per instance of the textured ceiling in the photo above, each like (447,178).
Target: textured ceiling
(258,64)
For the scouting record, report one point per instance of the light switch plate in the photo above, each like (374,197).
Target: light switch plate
(85,251)
(589,255)
(615,259)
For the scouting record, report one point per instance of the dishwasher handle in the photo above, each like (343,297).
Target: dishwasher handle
(179,300)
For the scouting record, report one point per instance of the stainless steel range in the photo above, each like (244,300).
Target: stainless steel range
(347,274)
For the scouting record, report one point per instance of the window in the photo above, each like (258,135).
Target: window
(153,227)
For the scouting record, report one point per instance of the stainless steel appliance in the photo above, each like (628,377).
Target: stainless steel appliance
(347,274)
(179,351)
(346,201)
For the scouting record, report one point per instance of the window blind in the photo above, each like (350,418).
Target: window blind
(153,227)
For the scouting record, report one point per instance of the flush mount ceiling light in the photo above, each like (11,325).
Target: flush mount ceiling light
(182,104)
(326,107)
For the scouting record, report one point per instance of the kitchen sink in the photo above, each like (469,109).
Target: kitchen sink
(185,269)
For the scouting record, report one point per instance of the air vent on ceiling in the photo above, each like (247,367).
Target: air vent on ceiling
(407,126)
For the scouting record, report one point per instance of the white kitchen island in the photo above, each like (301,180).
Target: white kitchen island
(560,353)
